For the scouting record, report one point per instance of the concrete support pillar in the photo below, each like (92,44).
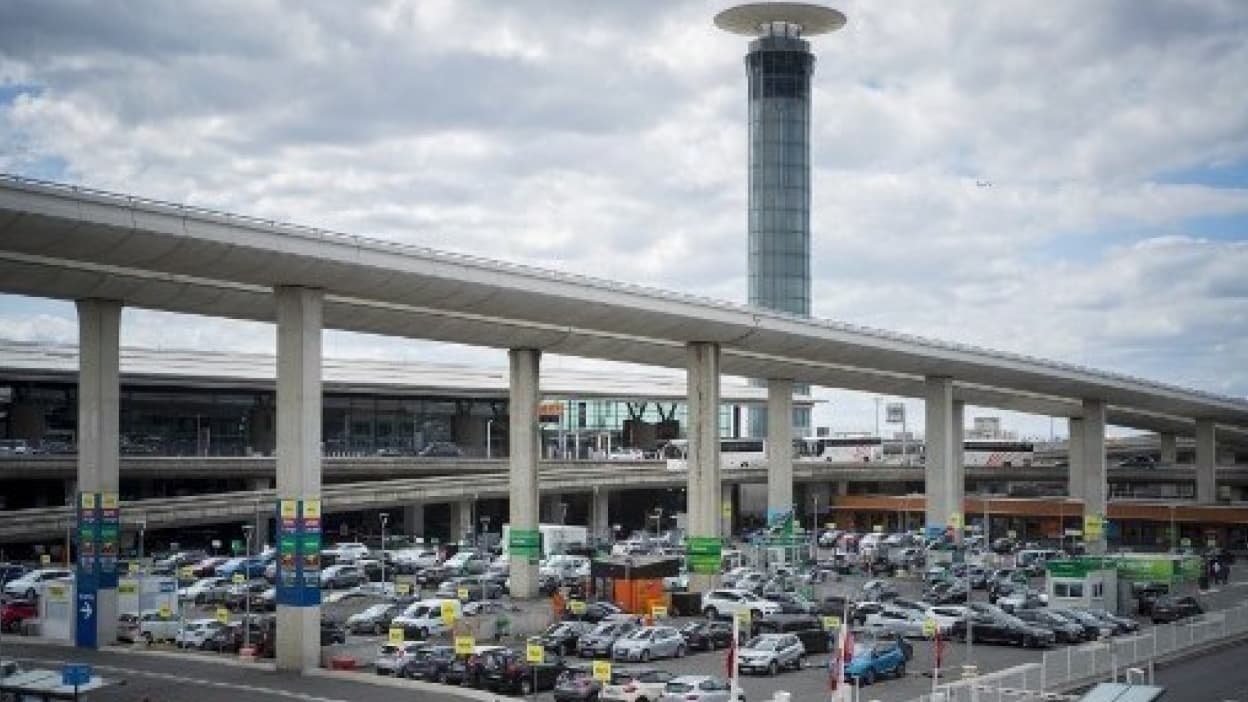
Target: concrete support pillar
(414,520)
(99,442)
(945,479)
(524,444)
(779,448)
(299,325)
(600,514)
(959,433)
(1074,454)
(461,521)
(1095,480)
(704,494)
(842,488)
(1206,459)
(551,508)
(1169,449)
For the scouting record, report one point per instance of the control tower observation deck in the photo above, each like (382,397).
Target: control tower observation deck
(779,65)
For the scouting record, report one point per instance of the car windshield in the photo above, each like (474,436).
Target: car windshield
(642,635)
(375,610)
(763,643)
(606,629)
(862,649)
(559,630)
(678,687)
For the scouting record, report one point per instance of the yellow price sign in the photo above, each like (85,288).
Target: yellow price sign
(464,645)
(658,611)
(744,617)
(134,568)
(56,592)
(223,615)
(45,559)
(462,594)
(929,627)
(602,671)
(878,528)
(1092,525)
(238,578)
(127,588)
(535,653)
(829,525)
(403,588)
(87,500)
(311,509)
(186,572)
(396,636)
(448,613)
(955,520)
(727,508)
(831,622)
(165,611)
(576,607)
(289,509)
(109,500)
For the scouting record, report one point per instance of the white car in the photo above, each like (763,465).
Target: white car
(205,590)
(730,603)
(895,620)
(561,566)
(348,551)
(153,627)
(946,616)
(196,632)
(416,557)
(641,685)
(648,643)
(424,618)
(699,688)
(27,586)
(771,652)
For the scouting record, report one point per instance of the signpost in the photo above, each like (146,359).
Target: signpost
(602,671)
(396,636)
(464,645)
(223,615)
(448,613)
(75,675)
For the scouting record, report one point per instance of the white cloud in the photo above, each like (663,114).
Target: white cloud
(609,138)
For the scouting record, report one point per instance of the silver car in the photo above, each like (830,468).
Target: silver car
(648,643)
(703,688)
(899,622)
(769,653)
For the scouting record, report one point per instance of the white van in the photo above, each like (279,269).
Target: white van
(869,545)
(424,618)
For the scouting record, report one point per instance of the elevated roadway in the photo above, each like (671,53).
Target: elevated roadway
(567,477)
(71,243)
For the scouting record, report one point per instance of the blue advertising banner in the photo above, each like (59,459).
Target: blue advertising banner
(84,617)
(88,568)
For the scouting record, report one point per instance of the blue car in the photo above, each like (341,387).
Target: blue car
(875,659)
(250,567)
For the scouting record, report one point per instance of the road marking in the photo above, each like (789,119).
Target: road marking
(291,694)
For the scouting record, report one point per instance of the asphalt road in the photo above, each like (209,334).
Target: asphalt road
(1220,676)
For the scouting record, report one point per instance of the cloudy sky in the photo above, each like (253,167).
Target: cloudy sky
(609,138)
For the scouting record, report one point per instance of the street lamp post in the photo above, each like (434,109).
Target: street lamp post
(384,517)
(247,530)
(489,438)
(142,570)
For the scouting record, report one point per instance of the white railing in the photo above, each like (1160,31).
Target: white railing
(1064,669)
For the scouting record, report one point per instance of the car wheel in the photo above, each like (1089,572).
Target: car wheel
(711,613)
(441,677)
(147,638)
(645,655)
(773,669)
(870,678)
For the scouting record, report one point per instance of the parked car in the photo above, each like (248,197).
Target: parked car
(238,596)
(510,672)
(946,592)
(1147,593)
(441,449)
(1123,625)
(431,663)
(1169,608)
(205,590)
(896,620)
(808,629)
(341,575)
(27,585)
(562,638)
(872,660)
(792,603)
(648,643)
(478,587)
(393,659)
(635,685)
(11,571)
(707,635)
(1065,630)
(332,632)
(375,619)
(153,627)
(998,627)
(196,632)
(228,638)
(208,566)
(14,612)
(470,670)
(1093,627)
(252,567)
(599,640)
(699,688)
(730,603)
(769,653)
(577,684)
(595,612)
(424,617)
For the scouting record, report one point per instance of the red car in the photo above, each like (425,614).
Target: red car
(14,613)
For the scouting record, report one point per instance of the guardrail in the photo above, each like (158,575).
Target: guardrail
(1078,666)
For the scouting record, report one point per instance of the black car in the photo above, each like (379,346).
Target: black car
(1147,593)
(1094,627)
(227,639)
(332,632)
(441,449)
(860,611)
(807,628)
(1065,630)
(1123,625)
(375,619)
(791,603)
(432,664)
(469,671)
(562,637)
(594,612)
(434,575)
(1169,608)
(707,634)
(509,672)
(946,592)
(998,627)
(598,641)
(236,599)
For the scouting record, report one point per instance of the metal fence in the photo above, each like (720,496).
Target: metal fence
(1074,666)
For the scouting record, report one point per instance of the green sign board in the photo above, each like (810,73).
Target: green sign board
(703,554)
(236,547)
(525,543)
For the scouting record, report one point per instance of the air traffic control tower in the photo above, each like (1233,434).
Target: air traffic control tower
(779,65)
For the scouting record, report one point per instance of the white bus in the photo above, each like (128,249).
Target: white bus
(997,453)
(733,453)
(843,449)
